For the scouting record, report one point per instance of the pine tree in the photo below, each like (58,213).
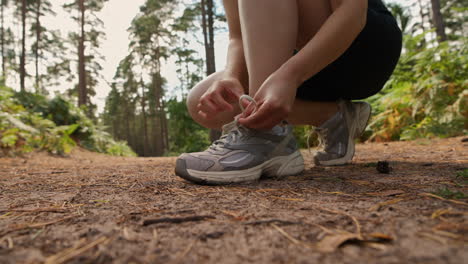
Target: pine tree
(207,14)
(438,20)
(42,36)
(23,45)
(87,42)
(151,41)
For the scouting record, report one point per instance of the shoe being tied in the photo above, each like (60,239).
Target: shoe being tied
(337,135)
(243,154)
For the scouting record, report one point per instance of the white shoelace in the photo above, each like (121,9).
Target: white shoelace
(237,131)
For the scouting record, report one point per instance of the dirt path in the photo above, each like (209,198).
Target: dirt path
(98,209)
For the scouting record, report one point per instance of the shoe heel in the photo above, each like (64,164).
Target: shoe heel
(286,166)
(364,111)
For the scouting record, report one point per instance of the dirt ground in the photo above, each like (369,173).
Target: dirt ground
(92,208)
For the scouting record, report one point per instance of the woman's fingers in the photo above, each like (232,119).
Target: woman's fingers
(263,112)
(232,94)
(267,116)
(207,106)
(218,99)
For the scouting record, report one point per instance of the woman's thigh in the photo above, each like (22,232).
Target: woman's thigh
(364,68)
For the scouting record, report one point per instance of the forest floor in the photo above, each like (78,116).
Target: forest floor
(92,208)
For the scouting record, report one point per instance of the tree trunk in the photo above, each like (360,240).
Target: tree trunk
(2,21)
(211,52)
(208,34)
(438,21)
(145,128)
(157,125)
(208,37)
(82,91)
(38,39)
(23,46)
(164,127)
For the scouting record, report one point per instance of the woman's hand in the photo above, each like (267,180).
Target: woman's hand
(220,97)
(274,99)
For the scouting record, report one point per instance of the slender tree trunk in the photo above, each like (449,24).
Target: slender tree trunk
(211,51)
(82,91)
(157,125)
(38,40)
(208,37)
(438,21)
(2,21)
(23,46)
(164,126)
(143,112)
(208,34)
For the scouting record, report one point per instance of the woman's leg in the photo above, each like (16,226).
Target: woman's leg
(271,30)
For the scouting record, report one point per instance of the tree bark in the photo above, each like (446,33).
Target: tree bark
(438,21)
(23,46)
(208,34)
(38,39)
(143,112)
(2,21)
(164,127)
(82,91)
(208,37)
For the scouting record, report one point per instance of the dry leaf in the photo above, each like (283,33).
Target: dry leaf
(331,242)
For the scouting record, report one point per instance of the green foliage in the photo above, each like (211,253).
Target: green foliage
(186,135)
(426,96)
(30,121)
(449,194)
(462,176)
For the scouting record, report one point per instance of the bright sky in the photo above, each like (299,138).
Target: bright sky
(117,16)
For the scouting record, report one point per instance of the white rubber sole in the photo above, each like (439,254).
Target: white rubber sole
(364,110)
(276,167)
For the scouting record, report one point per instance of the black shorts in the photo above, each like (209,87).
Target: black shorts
(364,68)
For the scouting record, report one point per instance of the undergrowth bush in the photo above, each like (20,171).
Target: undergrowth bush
(30,121)
(427,96)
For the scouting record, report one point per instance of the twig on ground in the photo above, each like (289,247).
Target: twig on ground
(75,251)
(177,220)
(185,252)
(36,225)
(380,205)
(288,236)
(38,210)
(273,221)
(356,222)
(443,199)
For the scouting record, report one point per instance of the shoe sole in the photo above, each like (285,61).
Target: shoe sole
(364,110)
(281,166)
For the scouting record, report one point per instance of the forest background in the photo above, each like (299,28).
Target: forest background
(145,114)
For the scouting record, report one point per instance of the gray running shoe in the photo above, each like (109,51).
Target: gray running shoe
(336,136)
(243,154)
